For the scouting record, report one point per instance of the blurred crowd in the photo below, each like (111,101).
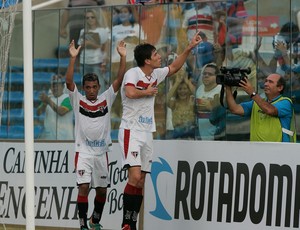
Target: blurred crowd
(188,105)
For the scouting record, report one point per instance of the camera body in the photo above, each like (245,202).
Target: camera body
(232,76)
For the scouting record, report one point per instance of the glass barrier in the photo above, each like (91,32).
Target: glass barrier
(240,38)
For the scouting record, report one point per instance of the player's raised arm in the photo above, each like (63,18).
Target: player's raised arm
(180,60)
(70,71)
(122,67)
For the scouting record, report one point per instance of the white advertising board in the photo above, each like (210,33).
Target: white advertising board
(55,184)
(193,185)
(223,185)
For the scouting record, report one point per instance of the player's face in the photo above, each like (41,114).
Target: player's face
(155,60)
(91,89)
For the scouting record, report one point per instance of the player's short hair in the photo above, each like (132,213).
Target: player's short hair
(142,52)
(90,77)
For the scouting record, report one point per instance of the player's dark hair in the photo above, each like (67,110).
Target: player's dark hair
(142,52)
(90,77)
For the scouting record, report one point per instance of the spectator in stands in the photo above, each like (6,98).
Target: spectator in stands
(292,82)
(285,59)
(210,114)
(143,2)
(180,99)
(240,58)
(173,28)
(160,112)
(235,17)
(94,41)
(58,123)
(116,16)
(72,17)
(163,114)
(198,18)
(201,55)
(152,19)
(130,32)
(278,64)
(220,26)
(272,119)
(286,48)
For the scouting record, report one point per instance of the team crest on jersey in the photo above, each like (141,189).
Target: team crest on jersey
(134,154)
(101,109)
(81,172)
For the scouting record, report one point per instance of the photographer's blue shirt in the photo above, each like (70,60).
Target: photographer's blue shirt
(285,113)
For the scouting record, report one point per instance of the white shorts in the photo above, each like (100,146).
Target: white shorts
(92,170)
(136,148)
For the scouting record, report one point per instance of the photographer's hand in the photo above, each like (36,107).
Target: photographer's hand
(247,87)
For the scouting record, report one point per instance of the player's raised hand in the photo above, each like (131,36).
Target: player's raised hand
(121,48)
(195,40)
(72,49)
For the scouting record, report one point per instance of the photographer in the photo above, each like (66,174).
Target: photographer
(272,119)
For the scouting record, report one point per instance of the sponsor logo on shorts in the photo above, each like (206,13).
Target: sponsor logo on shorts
(145,120)
(134,154)
(81,172)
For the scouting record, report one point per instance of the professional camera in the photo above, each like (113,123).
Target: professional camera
(232,76)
